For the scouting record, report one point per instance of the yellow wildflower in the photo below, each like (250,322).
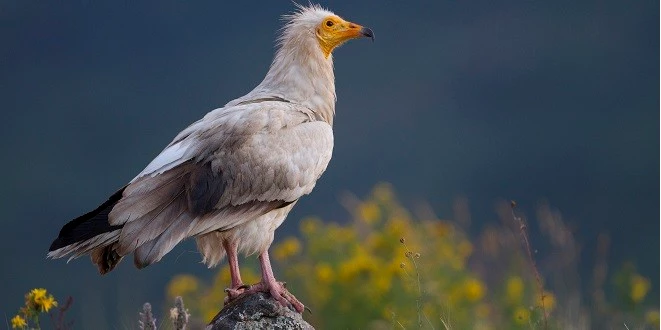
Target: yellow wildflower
(443,228)
(289,247)
(521,315)
(47,303)
(652,318)
(387,312)
(376,242)
(40,300)
(321,294)
(18,322)
(383,192)
(482,310)
(37,294)
(457,263)
(455,295)
(340,234)
(465,249)
(445,250)
(474,290)
(361,263)
(250,275)
(397,227)
(639,288)
(222,277)
(324,273)
(369,212)
(394,268)
(310,225)
(381,284)
(514,289)
(549,301)
(182,285)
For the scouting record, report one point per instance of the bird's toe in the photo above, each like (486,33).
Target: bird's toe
(233,293)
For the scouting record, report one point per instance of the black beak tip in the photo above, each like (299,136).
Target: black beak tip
(367,32)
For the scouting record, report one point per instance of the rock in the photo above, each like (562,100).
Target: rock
(257,311)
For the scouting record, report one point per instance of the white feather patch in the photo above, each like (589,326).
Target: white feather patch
(169,158)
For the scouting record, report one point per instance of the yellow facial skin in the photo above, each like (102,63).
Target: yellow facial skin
(334,31)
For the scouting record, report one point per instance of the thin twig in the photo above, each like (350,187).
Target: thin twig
(394,320)
(524,236)
(446,325)
(428,321)
(59,323)
(409,254)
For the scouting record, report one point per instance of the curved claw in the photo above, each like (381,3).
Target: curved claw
(286,299)
(280,297)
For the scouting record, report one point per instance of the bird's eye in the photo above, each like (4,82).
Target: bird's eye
(329,23)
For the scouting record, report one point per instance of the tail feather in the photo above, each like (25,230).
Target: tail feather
(81,248)
(106,258)
(148,210)
(152,251)
(149,195)
(148,227)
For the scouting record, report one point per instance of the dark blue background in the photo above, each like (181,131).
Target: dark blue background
(524,99)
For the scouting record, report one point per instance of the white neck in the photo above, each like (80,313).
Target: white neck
(301,74)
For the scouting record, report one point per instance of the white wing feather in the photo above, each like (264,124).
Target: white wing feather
(170,157)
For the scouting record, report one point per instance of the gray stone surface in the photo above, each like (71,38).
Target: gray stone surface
(257,311)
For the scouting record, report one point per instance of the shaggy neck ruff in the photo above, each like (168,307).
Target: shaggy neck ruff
(300,73)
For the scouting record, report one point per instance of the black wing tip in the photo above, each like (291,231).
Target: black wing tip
(71,231)
(57,244)
(112,200)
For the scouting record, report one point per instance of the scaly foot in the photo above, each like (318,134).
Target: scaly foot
(279,293)
(235,292)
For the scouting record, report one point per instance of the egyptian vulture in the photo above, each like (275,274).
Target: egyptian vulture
(230,179)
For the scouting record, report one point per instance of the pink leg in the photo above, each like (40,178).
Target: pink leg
(237,287)
(275,288)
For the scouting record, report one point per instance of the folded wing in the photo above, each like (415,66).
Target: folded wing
(228,168)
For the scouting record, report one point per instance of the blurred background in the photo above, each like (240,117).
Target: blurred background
(538,101)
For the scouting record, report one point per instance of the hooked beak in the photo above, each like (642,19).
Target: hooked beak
(367,32)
